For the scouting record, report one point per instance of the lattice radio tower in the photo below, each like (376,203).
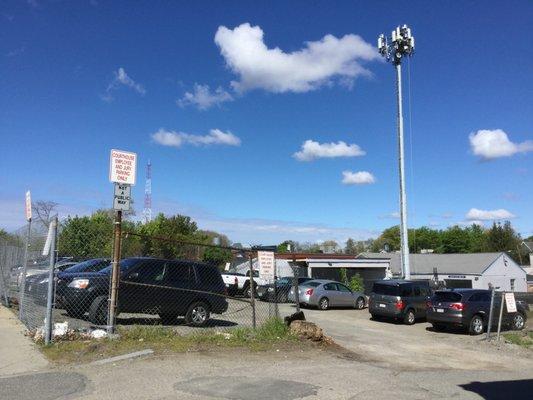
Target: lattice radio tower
(147,211)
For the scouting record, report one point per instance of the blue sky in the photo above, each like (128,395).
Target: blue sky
(222,115)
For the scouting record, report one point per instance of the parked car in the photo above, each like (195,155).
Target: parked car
(169,288)
(38,268)
(280,291)
(238,283)
(231,281)
(37,285)
(326,294)
(469,309)
(399,299)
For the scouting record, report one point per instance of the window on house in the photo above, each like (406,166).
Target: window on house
(512,285)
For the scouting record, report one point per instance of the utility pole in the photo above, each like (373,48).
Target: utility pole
(402,44)
(115,273)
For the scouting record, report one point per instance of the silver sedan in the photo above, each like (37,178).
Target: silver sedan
(326,294)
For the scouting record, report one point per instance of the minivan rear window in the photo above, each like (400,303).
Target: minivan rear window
(387,290)
(447,297)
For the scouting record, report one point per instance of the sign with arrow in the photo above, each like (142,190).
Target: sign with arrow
(122,197)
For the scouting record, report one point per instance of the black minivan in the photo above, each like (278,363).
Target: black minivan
(170,288)
(399,299)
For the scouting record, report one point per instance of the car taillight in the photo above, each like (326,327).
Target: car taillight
(458,306)
(429,304)
(400,305)
(309,292)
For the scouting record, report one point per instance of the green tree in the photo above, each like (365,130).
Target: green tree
(10,239)
(423,238)
(86,237)
(351,247)
(504,238)
(160,235)
(357,283)
(455,240)
(389,238)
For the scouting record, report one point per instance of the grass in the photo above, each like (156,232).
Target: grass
(273,334)
(522,339)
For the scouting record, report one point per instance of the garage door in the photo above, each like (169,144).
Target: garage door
(458,283)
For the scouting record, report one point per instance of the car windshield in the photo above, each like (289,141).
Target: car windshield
(447,297)
(124,265)
(385,289)
(312,284)
(88,265)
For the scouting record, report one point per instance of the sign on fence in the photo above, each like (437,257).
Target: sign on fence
(266,264)
(510,302)
(122,167)
(122,197)
(28,205)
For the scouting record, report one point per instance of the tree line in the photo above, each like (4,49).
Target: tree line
(500,237)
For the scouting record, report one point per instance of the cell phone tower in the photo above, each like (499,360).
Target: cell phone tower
(398,47)
(147,211)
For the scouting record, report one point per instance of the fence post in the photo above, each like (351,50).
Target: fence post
(24,266)
(490,311)
(500,318)
(50,295)
(3,285)
(115,274)
(296,275)
(276,307)
(252,290)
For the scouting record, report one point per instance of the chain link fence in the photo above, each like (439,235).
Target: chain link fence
(189,287)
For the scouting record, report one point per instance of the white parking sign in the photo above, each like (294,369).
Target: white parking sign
(266,264)
(510,302)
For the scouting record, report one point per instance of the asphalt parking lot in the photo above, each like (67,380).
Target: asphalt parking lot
(389,343)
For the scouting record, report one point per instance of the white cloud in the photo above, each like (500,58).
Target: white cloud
(122,78)
(357,178)
(393,215)
(312,150)
(203,98)
(486,215)
(491,144)
(177,139)
(274,70)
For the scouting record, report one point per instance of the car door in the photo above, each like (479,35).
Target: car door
(332,293)
(179,291)
(420,297)
(346,296)
(141,287)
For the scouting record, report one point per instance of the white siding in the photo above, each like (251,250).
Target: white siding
(501,272)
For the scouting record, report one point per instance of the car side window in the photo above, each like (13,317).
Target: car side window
(424,291)
(330,286)
(343,288)
(151,271)
(178,272)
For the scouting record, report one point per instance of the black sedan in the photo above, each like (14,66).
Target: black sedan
(279,292)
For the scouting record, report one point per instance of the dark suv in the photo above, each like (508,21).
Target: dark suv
(399,299)
(170,288)
(469,309)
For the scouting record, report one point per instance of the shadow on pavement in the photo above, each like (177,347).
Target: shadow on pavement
(520,389)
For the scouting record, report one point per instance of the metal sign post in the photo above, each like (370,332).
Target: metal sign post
(252,290)
(50,293)
(500,318)
(490,311)
(25,259)
(122,171)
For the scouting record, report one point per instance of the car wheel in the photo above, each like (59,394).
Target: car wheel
(197,314)
(476,325)
(168,319)
(323,303)
(518,322)
(439,327)
(375,317)
(409,318)
(98,311)
(360,303)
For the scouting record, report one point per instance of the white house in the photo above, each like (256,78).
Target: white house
(472,270)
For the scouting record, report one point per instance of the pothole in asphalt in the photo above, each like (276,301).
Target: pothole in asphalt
(245,388)
(42,386)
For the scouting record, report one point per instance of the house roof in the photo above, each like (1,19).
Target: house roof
(528,245)
(314,256)
(470,263)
